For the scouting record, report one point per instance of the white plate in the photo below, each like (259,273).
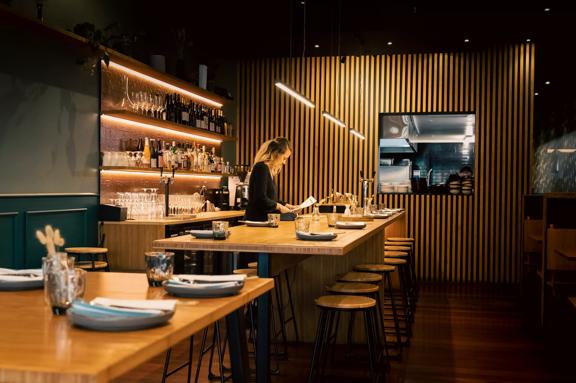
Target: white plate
(192,291)
(350,225)
(14,280)
(204,234)
(256,223)
(315,236)
(114,322)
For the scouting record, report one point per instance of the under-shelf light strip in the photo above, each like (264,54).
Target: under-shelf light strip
(333,119)
(294,94)
(164,84)
(156,174)
(357,134)
(109,118)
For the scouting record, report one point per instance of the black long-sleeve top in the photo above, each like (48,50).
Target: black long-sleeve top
(261,194)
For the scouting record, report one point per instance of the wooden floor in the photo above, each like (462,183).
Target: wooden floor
(461,334)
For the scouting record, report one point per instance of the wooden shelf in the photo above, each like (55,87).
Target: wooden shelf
(127,169)
(537,237)
(133,117)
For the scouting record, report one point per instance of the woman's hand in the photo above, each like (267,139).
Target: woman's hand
(283,209)
(291,207)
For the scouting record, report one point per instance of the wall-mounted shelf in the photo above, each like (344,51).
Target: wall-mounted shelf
(166,126)
(156,171)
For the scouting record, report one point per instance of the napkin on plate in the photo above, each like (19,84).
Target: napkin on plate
(208,282)
(20,275)
(158,305)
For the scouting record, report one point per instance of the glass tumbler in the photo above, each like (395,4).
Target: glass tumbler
(159,267)
(274,219)
(219,229)
(302,224)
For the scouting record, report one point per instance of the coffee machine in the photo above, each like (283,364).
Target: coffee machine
(241,196)
(219,197)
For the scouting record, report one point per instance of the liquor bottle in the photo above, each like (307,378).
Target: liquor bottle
(160,152)
(153,154)
(146,156)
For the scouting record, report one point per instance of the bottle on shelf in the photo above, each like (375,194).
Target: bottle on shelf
(153,154)
(160,152)
(146,155)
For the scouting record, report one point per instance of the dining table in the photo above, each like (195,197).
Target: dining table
(38,346)
(278,248)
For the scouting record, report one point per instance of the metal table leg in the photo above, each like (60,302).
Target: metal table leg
(263,325)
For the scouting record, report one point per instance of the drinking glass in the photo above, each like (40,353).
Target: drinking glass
(62,283)
(302,224)
(159,267)
(333,218)
(274,219)
(219,229)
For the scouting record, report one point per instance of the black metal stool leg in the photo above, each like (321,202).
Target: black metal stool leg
(291,305)
(316,354)
(394,311)
(166,373)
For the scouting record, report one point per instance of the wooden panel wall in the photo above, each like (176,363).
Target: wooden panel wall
(459,238)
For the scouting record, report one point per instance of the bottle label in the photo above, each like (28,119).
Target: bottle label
(185,116)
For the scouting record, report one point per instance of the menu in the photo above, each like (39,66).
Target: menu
(308,202)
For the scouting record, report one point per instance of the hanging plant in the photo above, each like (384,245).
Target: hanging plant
(98,41)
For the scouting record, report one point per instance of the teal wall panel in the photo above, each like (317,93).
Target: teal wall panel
(20,216)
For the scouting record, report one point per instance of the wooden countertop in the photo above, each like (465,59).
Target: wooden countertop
(281,239)
(37,346)
(200,217)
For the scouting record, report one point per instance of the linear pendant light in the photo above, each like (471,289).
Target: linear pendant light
(357,134)
(335,120)
(306,101)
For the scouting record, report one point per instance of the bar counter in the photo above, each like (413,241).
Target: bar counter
(127,241)
(316,263)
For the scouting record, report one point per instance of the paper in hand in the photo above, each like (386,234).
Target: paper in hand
(309,202)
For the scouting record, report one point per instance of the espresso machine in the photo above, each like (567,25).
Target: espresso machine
(241,196)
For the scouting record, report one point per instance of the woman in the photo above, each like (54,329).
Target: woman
(261,191)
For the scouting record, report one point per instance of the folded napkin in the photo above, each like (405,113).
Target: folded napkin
(198,278)
(314,233)
(203,286)
(157,305)
(20,275)
(105,312)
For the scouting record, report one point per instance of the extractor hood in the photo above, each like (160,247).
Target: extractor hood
(396,145)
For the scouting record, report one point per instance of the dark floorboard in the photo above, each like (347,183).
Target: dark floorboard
(462,334)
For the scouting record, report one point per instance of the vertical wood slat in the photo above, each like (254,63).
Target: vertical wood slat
(458,238)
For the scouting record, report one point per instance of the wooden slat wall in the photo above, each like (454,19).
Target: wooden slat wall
(459,238)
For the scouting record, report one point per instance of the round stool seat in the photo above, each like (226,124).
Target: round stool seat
(397,248)
(393,243)
(374,268)
(395,254)
(87,265)
(360,277)
(247,272)
(253,265)
(352,288)
(86,250)
(400,239)
(394,261)
(345,302)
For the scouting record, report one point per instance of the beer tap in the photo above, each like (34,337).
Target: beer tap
(365,183)
(166,180)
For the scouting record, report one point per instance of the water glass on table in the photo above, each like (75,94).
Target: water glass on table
(274,219)
(302,224)
(62,282)
(219,229)
(159,267)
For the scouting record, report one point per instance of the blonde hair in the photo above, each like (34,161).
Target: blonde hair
(270,151)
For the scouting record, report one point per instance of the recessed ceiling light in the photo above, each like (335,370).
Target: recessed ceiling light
(547,83)
(528,40)
(466,40)
(389,42)
(546,9)
(536,94)
(316,46)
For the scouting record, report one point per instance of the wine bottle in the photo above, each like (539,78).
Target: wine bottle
(146,156)
(160,154)
(153,154)
(211,124)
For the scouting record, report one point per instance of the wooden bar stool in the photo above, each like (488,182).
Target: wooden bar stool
(326,332)
(369,290)
(409,248)
(383,272)
(403,274)
(281,304)
(400,239)
(412,258)
(93,254)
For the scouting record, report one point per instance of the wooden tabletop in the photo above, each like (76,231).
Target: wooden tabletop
(39,347)
(281,239)
(174,220)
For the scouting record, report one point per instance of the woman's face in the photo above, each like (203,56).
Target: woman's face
(281,160)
